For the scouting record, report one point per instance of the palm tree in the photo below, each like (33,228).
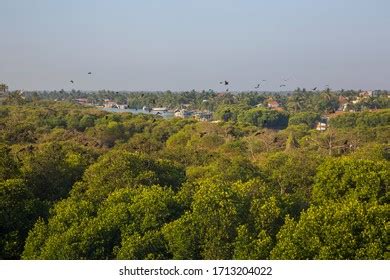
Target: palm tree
(3,88)
(296,101)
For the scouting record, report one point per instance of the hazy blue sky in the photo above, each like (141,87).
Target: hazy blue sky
(193,44)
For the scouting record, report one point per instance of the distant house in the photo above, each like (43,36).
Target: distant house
(122,106)
(203,116)
(321,126)
(82,101)
(183,113)
(356,101)
(343,102)
(161,109)
(110,104)
(367,93)
(272,104)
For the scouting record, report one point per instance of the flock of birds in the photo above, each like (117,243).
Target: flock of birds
(226,83)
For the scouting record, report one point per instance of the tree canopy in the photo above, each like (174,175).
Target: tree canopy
(257,183)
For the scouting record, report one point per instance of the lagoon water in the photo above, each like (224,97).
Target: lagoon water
(163,114)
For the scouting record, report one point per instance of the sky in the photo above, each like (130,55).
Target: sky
(194,44)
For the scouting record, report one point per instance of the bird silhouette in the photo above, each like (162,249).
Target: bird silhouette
(258,85)
(89,73)
(314,89)
(224,82)
(282,85)
(72,81)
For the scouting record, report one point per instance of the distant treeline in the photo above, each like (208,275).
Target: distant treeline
(298,100)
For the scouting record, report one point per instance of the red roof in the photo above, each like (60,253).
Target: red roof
(273,103)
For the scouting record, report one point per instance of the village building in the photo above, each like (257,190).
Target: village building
(183,113)
(122,106)
(203,116)
(109,104)
(82,101)
(344,104)
(367,93)
(321,126)
(356,101)
(272,104)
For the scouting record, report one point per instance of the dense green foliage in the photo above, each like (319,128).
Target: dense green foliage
(79,183)
(364,119)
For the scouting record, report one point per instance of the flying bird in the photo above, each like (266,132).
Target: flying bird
(314,89)
(282,85)
(225,83)
(89,73)
(72,81)
(258,85)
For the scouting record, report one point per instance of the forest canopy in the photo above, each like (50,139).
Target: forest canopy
(81,183)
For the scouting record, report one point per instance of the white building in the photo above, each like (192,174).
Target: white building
(321,126)
(183,113)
